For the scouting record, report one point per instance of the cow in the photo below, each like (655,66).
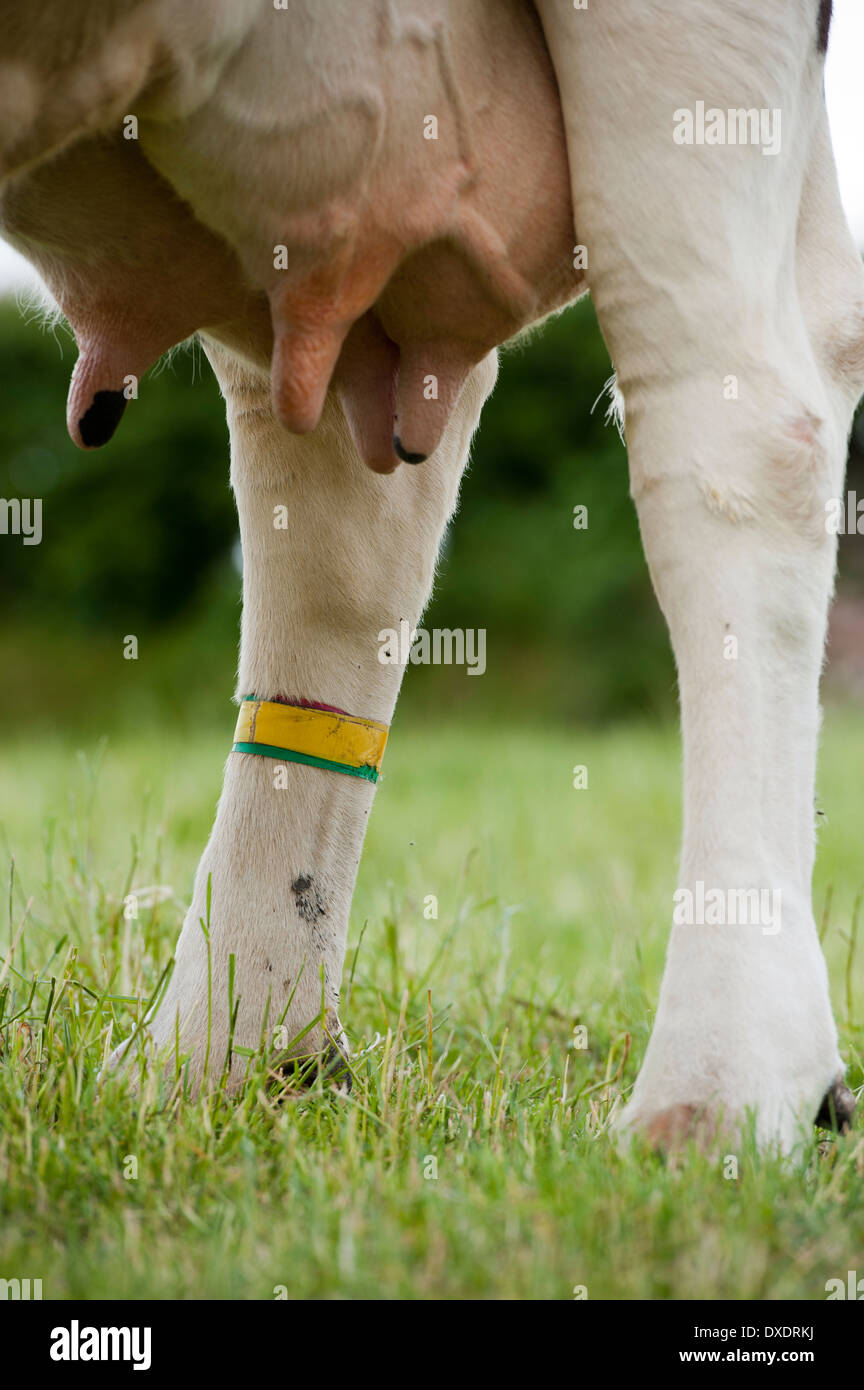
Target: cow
(353,206)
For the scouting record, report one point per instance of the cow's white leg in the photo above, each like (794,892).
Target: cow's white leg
(333,553)
(731,299)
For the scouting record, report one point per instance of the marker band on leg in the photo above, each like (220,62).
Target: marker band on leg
(315,737)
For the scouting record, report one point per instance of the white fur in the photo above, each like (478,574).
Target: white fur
(358,554)
(705,262)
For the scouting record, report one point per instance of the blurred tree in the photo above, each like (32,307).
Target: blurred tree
(139,536)
(131,532)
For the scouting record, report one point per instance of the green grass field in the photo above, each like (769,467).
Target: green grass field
(473,1158)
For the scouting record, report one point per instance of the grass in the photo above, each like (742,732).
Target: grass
(473,1157)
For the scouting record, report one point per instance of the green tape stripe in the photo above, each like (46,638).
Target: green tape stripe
(287,755)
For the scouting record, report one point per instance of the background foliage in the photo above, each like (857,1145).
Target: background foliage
(140,537)
(554,903)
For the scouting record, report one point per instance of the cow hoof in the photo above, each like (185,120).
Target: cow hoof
(332,1065)
(675,1129)
(335,1067)
(837,1110)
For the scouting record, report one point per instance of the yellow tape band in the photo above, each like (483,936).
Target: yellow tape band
(316,737)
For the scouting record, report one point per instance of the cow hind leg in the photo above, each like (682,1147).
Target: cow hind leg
(332,555)
(731,300)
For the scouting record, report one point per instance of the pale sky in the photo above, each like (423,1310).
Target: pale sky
(844,84)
